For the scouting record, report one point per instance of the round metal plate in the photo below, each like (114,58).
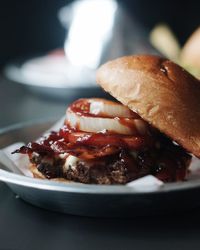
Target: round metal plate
(92,200)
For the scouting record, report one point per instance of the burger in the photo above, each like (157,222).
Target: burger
(151,128)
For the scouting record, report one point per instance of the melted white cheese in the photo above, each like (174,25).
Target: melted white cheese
(70,162)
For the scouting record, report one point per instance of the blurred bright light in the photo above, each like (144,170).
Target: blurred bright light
(91,27)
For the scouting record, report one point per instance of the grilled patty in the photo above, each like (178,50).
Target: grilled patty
(168,165)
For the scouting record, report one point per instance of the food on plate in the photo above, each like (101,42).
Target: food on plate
(190,54)
(165,41)
(153,129)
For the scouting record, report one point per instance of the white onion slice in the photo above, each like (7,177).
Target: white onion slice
(96,124)
(95,115)
(104,107)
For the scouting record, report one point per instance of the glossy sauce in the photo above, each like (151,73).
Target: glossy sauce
(82,107)
(67,139)
(168,162)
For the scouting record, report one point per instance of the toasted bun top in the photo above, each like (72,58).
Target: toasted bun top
(160,91)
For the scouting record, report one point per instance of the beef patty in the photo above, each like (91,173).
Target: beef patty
(168,164)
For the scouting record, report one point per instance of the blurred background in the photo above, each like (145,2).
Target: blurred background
(38,29)
(32,26)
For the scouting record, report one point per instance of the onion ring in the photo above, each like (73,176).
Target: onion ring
(120,120)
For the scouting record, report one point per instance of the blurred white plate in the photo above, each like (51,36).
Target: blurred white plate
(52,75)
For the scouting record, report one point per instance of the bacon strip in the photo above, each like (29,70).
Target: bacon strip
(82,144)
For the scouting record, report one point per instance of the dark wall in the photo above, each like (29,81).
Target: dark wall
(32,26)
(29,26)
(182,16)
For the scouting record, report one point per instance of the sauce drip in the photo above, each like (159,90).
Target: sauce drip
(67,140)
(115,157)
(82,107)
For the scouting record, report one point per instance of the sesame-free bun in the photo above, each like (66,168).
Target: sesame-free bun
(160,91)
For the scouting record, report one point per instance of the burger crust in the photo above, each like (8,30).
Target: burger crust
(39,175)
(160,91)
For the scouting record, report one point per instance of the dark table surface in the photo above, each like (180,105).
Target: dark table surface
(23,226)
